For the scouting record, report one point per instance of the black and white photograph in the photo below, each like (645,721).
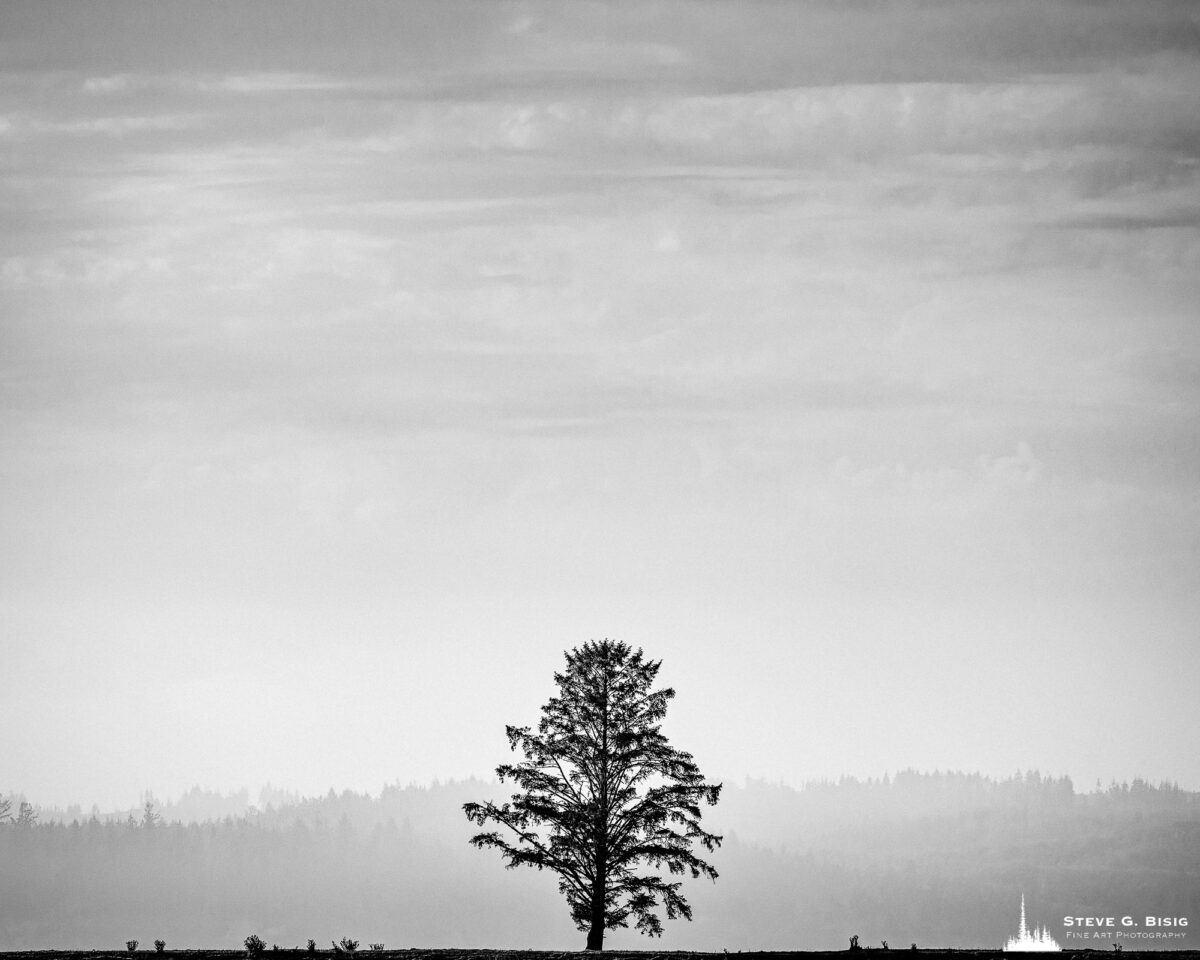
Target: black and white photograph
(493,479)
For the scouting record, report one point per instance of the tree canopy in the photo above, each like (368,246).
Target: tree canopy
(603,799)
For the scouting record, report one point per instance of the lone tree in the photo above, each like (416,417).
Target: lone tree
(602,793)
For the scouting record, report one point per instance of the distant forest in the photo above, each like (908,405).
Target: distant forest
(935,859)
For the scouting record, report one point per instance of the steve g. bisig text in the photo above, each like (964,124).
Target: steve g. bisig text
(1126,927)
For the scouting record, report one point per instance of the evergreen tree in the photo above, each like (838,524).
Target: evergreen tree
(150,816)
(602,794)
(26,815)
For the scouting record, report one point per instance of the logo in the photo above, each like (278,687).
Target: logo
(1037,939)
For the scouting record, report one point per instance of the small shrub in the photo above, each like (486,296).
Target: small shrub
(254,945)
(312,945)
(131,945)
(348,945)
(376,947)
(160,946)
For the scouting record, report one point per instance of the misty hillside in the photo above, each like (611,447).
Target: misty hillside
(937,859)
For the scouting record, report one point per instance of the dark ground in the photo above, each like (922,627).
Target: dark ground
(485,954)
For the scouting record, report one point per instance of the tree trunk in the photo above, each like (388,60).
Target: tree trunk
(595,940)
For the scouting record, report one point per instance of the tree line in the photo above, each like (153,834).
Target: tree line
(799,867)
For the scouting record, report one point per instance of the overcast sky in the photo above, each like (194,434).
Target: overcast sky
(356,360)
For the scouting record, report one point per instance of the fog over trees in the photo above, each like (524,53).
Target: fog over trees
(940,859)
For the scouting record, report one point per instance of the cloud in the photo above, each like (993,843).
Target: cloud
(804,124)
(29,128)
(183,84)
(116,83)
(509,242)
(1019,471)
(269,83)
(1134,221)
(952,488)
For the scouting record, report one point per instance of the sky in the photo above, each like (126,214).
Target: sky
(358,360)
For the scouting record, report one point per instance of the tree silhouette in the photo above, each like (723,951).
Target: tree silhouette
(150,816)
(603,793)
